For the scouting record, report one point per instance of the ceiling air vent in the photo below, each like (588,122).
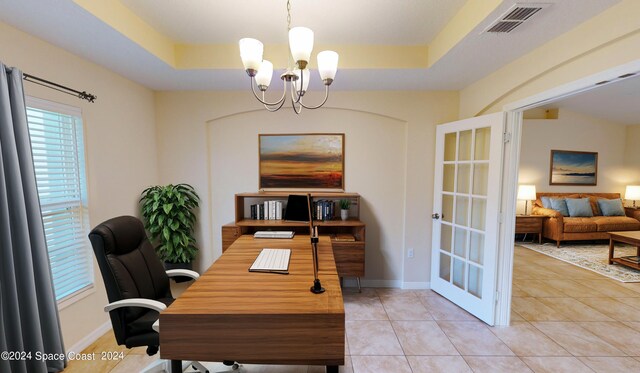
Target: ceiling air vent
(514,17)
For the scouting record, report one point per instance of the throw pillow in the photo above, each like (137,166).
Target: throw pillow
(560,205)
(611,207)
(579,207)
(546,202)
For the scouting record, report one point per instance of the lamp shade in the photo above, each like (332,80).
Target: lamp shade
(301,43)
(265,73)
(251,53)
(305,80)
(526,192)
(632,192)
(327,64)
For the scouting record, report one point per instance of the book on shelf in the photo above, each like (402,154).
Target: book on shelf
(344,237)
(267,210)
(631,259)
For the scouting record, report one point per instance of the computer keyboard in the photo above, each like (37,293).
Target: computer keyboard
(273,234)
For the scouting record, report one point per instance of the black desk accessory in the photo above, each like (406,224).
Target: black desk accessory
(313,233)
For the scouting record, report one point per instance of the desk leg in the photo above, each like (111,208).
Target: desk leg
(610,251)
(332,369)
(176,366)
(638,250)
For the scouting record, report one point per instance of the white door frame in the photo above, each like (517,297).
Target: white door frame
(510,168)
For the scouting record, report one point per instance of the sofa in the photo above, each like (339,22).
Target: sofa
(561,228)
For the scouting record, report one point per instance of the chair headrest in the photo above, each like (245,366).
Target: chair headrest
(120,235)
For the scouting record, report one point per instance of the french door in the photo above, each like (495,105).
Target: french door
(466,213)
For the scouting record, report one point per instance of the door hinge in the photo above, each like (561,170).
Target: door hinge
(506,137)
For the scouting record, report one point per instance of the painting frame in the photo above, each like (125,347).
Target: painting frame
(303,153)
(578,168)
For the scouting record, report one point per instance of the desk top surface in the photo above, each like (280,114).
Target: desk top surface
(228,288)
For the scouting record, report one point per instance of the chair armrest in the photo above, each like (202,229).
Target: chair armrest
(546,212)
(183,272)
(136,302)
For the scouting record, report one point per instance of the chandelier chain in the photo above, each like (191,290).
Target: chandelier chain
(288,15)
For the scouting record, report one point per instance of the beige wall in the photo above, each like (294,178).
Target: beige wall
(209,139)
(120,145)
(608,40)
(573,131)
(632,154)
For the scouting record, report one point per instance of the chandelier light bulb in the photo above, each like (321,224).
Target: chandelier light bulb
(264,75)
(301,45)
(251,54)
(305,80)
(327,66)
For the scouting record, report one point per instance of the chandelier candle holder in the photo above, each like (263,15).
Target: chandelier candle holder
(300,44)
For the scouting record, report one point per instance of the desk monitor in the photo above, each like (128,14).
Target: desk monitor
(297,208)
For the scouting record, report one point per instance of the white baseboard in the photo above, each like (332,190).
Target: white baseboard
(90,338)
(416,285)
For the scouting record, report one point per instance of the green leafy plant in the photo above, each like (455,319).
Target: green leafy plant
(168,214)
(345,204)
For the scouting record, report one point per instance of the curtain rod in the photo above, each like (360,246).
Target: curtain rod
(58,87)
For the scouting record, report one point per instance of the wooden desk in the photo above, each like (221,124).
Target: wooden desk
(259,318)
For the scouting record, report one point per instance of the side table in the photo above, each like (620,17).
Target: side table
(530,224)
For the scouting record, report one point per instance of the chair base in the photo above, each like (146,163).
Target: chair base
(164,366)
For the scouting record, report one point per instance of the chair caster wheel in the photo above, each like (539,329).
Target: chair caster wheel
(196,369)
(235,366)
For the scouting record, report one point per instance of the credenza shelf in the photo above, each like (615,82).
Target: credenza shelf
(349,255)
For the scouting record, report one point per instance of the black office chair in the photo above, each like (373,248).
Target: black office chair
(137,285)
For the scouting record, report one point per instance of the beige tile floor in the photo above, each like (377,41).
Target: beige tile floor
(564,319)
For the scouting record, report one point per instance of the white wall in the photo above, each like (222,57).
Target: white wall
(120,141)
(209,139)
(573,131)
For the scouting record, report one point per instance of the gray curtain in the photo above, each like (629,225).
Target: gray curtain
(29,319)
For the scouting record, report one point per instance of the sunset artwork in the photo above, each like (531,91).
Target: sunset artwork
(302,161)
(573,168)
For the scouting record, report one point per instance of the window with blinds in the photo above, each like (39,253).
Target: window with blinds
(58,157)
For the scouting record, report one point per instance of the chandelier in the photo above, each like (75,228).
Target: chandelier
(300,44)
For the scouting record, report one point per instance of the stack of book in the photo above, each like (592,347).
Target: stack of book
(344,237)
(267,210)
(323,210)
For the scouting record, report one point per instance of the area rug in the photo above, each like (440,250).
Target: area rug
(592,257)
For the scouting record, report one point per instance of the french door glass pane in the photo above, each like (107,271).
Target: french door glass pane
(445,267)
(480,178)
(445,237)
(476,247)
(475,281)
(462,209)
(464,148)
(458,273)
(478,213)
(460,242)
(464,174)
(448,177)
(447,208)
(450,146)
(483,144)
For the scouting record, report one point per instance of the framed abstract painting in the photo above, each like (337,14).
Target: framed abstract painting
(573,168)
(312,161)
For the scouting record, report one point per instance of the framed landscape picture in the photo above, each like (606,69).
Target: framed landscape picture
(301,161)
(573,168)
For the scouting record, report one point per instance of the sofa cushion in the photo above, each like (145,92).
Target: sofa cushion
(580,225)
(546,202)
(616,223)
(611,207)
(559,204)
(579,207)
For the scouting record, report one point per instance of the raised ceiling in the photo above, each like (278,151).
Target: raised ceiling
(383,44)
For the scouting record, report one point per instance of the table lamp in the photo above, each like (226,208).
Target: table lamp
(632,193)
(527,193)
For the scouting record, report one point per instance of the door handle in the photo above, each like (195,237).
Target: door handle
(435,216)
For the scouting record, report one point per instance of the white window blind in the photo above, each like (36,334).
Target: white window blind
(58,157)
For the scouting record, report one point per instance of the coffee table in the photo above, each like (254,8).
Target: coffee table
(629,237)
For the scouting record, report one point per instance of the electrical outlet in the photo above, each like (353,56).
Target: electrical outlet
(410,253)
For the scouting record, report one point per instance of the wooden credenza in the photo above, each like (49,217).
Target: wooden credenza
(349,255)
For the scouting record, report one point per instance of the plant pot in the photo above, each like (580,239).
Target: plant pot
(179,279)
(344,214)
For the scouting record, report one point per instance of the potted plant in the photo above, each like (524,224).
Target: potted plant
(345,204)
(168,215)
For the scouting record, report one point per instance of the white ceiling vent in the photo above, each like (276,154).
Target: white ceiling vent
(514,17)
